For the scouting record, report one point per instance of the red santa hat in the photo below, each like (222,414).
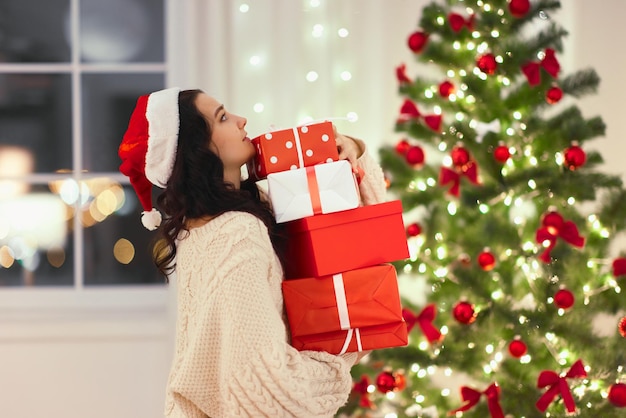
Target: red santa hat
(148,149)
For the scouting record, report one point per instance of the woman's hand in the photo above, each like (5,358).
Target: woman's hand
(348,148)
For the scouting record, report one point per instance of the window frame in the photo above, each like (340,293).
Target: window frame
(125,305)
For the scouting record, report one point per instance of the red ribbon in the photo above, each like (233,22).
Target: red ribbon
(360,387)
(433,122)
(457,22)
(448,175)
(532,70)
(619,267)
(409,111)
(558,384)
(359,174)
(566,230)
(425,321)
(401,74)
(472,396)
(314,190)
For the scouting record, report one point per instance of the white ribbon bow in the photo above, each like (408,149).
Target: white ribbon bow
(483,128)
(418,411)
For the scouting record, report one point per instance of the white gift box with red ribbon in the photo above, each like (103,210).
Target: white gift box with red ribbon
(319,189)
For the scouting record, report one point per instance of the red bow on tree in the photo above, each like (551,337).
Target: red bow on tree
(532,70)
(558,384)
(619,267)
(448,175)
(553,227)
(409,111)
(457,22)
(401,74)
(472,396)
(360,388)
(425,321)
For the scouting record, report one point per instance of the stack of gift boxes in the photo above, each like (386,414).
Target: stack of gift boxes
(341,294)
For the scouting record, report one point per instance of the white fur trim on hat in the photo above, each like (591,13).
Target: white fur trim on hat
(163,124)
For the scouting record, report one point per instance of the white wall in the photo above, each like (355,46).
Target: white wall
(105,353)
(77,354)
(596,33)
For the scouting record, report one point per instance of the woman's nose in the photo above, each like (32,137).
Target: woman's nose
(242,121)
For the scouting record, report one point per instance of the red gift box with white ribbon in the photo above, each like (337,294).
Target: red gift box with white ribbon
(292,148)
(347,312)
(314,190)
(332,243)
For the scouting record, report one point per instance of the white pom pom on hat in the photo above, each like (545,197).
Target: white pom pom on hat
(148,149)
(151,220)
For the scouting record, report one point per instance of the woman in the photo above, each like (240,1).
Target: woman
(232,357)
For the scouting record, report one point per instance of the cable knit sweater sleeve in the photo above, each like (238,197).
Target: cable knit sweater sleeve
(372,187)
(232,354)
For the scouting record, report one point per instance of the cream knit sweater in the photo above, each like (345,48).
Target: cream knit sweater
(232,355)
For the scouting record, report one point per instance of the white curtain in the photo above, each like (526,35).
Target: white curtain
(334,40)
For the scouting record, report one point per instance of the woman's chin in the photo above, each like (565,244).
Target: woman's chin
(252,153)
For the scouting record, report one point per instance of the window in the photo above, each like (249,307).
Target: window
(70,73)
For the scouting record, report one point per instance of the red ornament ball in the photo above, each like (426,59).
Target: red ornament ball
(617,394)
(517,348)
(486,260)
(464,313)
(413,229)
(575,157)
(519,8)
(619,267)
(414,155)
(385,382)
(456,21)
(487,64)
(446,89)
(417,41)
(554,95)
(460,156)
(622,326)
(564,299)
(501,153)
(402,146)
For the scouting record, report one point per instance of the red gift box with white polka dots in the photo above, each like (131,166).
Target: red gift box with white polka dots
(293,148)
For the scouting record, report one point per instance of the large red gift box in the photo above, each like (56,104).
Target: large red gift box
(370,338)
(347,312)
(336,242)
(288,149)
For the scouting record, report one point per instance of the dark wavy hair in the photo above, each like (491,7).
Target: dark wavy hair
(197,187)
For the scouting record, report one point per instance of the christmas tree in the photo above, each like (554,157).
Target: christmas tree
(512,292)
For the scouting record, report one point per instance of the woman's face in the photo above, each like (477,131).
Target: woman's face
(229,138)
